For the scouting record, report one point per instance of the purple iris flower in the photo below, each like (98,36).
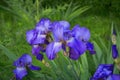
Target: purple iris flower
(83,34)
(38,35)
(36,51)
(103,72)
(22,64)
(114,47)
(76,48)
(58,34)
(63,38)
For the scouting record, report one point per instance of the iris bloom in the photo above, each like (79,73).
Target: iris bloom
(75,39)
(37,36)
(22,64)
(58,31)
(114,47)
(105,72)
(83,34)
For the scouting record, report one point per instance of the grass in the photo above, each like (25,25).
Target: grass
(20,16)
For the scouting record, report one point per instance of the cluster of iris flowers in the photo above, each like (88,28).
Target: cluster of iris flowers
(52,37)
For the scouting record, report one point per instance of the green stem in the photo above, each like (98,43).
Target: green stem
(76,76)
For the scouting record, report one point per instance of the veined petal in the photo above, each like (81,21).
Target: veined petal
(57,31)
(77,48)
(114,52)
(26,58)
(74,54)
(20,72)
(81,33)
(114,77)
(35,37)
(90,47)
(32,67)
(103,72)
(65,24)
(52,49)
(23,61)
(30,35)
(36,49)
(39,38)
(67,34)
(44,25)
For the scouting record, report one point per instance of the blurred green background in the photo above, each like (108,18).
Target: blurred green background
(18,16)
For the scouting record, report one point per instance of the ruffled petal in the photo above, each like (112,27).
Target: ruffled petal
(114,77)
(23,61)
(57,31)
(52,49)
(65,24)
(32,67)
(74,54)
(26,58)
(81,33)
(36,49)
(35,37)
(39,38)
(90,47)
(103,72)
(20,72)
(44,25)
(114,52)
(30,36)
(67,35)
(77,48)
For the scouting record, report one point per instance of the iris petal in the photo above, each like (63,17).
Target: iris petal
(30,35)
(77,48)
(65,24)
(36,49)
(32,67)
(44,25)
(114,77)
(74,54)
(20,72)
(39,38)
(39,57)
(57,31)
(81,33)
(52,49)
(35,37)
(24,60)
(90,47)
(114,52)
(103,72)
(27,59)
